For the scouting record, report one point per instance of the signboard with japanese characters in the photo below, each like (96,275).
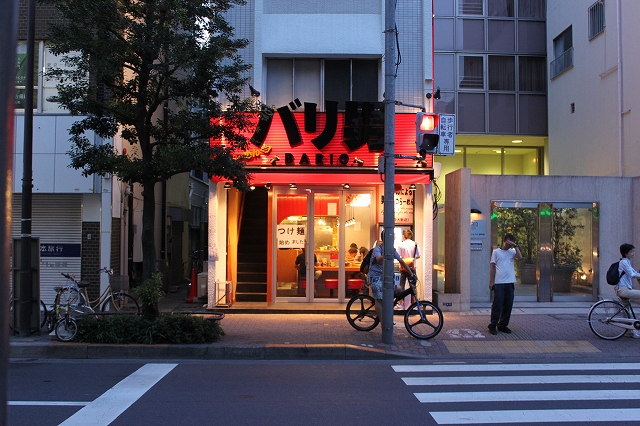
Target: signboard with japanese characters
(447,142)
(291,236)
(403,206)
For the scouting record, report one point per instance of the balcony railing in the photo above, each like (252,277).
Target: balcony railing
(561,63)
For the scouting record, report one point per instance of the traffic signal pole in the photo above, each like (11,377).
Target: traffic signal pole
(389,168)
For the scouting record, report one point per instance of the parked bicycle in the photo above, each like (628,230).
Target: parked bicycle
(423,319)
(68,314)
(75,293)
(13,323)
(610,319)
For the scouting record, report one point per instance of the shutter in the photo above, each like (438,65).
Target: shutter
(56,220)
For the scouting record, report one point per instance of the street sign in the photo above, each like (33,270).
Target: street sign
(447,143)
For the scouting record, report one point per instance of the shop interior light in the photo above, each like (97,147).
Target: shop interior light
(412,186)
(267,186)
(346,186)
(227,185)
(293,186)
(252,187)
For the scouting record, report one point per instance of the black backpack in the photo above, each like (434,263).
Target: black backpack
(612,274)
(364,266)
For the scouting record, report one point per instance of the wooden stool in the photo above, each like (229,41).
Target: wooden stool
(331,284)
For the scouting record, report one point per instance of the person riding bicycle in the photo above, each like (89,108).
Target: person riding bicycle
(375,275)
(624,289)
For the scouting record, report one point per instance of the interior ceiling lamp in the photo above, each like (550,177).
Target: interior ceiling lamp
(252,187)
(274,160)
(293,186)
(267,186)
(346,186)
(358,161)
(227,185)
(412,186)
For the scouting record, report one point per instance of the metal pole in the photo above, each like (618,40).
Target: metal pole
(26,281)
(389,169)
(8,42)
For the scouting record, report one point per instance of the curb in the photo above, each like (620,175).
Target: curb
(55,350)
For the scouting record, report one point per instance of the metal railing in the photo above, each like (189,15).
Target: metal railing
(561,63)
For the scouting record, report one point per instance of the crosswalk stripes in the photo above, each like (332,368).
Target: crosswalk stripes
(442,392)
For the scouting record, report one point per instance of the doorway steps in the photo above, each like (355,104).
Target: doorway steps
(251,284)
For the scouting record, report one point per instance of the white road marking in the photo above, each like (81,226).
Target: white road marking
(512,367)
(533,395)
(108,406)
(50,403)
(514,380)
(536,416)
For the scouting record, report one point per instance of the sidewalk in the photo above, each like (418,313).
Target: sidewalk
(558,331)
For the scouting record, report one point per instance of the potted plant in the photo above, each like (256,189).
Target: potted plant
(567,256)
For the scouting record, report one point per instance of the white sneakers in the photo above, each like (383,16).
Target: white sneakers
(636,334)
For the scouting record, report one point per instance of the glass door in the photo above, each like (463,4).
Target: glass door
(293,279)
(322,237)
(559,243)
(327,251)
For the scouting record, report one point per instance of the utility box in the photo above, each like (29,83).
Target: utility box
(202,285)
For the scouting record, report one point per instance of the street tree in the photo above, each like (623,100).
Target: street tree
(164,75)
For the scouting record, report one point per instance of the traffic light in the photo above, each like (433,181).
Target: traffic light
(427,134)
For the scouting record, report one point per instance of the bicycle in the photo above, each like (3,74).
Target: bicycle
(66,327)
(75,293)
(610,319)
(44,316)
(423,320)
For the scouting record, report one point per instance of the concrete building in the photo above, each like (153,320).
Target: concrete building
(593,90)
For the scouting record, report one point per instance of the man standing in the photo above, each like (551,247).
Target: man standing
(501,281)
(409,251)
(375,276)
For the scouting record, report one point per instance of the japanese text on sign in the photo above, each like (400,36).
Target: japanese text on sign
(291,236)
(403,206)
(447,130)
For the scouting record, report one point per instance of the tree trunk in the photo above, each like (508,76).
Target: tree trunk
(148,232)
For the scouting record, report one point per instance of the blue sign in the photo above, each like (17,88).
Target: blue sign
(60,250)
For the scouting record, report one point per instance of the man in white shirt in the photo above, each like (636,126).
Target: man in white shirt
(409,251)
(501,281)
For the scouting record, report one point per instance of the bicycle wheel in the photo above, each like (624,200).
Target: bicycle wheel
(66,329)
(600,319)
(42,317)
(361,313)
(423,326)
(69,296)
(120,302)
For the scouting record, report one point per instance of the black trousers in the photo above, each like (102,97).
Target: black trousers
(502,304)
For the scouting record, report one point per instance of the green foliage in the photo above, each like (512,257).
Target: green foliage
(523,224)
(163,75)
(149,292)
(565,224)
(131,329)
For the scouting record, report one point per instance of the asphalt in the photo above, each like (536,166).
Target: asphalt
(288,331)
